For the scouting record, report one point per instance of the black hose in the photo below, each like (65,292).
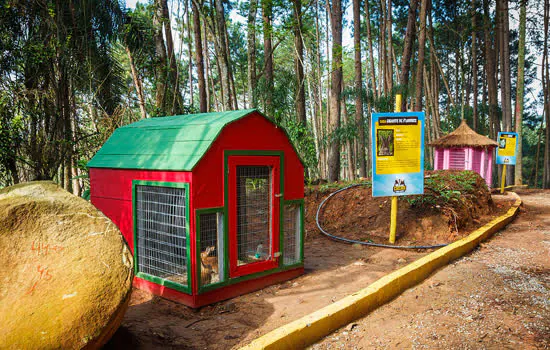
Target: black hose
(352,241)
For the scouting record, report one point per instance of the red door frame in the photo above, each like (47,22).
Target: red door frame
(274,163)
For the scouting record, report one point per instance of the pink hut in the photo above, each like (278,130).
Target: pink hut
(464,149)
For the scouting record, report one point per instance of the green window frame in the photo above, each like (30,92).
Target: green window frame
(198,245)
(185,288)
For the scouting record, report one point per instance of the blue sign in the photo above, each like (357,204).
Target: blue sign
(397,154)
(507,148)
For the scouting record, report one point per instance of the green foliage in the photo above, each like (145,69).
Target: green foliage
(302,138)
(444,187)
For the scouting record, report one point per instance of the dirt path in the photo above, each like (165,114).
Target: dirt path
(333,270)
(496,297)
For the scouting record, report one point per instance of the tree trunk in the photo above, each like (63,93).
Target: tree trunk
(407,51)
(251,53)
(359,88)
(207,69)
(504,47)
(199,61)
(268,54)
(474,66)
(389,48)
(137,84)
(162,61)
(546,96)
(176,105)
(222,60)
(190,49)
(382,73)
(319,99)
(348,146)
(299,63)
(421,49)
(335,89)
(490,66)
(520,90)
(371,54)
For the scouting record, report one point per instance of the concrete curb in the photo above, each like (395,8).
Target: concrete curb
(310,328)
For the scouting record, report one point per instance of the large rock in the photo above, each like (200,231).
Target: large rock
(65,271)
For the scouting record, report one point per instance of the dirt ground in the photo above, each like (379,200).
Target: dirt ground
(333,270)
(496,297)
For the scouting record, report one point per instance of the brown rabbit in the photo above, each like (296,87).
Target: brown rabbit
(212,261)
(209,265)
(206,273)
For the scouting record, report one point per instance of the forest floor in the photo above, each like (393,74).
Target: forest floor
(332,270)
(496,297)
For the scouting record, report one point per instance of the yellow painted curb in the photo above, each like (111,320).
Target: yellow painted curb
(310,328)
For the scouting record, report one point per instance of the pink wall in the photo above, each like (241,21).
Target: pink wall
(476,159)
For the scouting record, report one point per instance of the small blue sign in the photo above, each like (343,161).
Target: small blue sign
(507,148)
(397,154)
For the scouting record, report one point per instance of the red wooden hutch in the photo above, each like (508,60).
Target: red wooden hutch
(211,204)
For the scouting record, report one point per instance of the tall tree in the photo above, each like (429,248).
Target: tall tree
(546,94)
(223,55)
(251,52)
(299,63)
(407,50)
(199,59)
(267,14)
(371,53)
(475,116)
(161,58)
(335,11)
(421,49)
(490,69)
(520,90)
(359,88)
(175,105)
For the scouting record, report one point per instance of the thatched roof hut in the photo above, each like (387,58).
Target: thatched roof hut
(463,136)
(464,149)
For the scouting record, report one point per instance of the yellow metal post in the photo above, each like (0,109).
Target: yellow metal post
(503,176)
(393,217)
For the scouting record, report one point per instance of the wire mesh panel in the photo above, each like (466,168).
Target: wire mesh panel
(253,214)
(211,248)
(161,232)
(292,234)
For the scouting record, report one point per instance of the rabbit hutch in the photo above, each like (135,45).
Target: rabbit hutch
(211,204)
(464,149)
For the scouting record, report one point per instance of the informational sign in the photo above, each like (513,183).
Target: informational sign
(507,148)
(398,154)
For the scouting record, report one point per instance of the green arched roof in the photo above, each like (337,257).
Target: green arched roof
(164,143)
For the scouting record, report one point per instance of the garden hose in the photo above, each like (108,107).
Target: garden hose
(352,241)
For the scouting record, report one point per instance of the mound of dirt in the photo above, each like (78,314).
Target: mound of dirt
(66,272)
(454,203)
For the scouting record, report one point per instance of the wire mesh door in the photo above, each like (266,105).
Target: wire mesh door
(161,232)
(254,213)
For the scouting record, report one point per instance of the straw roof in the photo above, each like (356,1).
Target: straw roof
(463,136)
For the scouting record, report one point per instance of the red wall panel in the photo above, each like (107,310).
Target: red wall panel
(253,133)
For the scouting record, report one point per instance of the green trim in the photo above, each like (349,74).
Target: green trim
(155,279)
(198,213)
(301,203)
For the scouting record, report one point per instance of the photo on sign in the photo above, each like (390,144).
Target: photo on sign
(384,142)
(502,143)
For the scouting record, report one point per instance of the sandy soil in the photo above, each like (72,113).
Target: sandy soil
(496,297)
(333,270)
